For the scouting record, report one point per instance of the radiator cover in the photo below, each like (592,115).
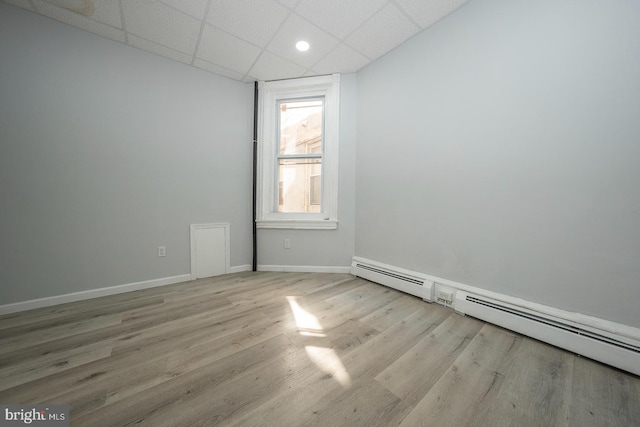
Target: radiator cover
(611,343)
(604,347)
(403,280)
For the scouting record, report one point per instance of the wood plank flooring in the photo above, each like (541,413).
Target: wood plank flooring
(297,349)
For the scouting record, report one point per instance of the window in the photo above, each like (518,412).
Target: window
(298,133)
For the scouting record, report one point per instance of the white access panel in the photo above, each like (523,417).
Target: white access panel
(209,250)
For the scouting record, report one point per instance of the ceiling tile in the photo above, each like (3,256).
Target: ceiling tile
(342,59)
(338,17)
(152,47)
(272,67)
(427,13)
(195,8)
(207,66)
(289,3)
(218,47)
(384,31)
(294,29)
(81,7)
(105,11)
(253,20)
(21,3)
(79,21)
(161,24)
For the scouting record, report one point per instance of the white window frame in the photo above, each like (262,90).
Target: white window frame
(269,93)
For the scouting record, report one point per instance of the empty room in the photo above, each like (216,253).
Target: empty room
(320,212)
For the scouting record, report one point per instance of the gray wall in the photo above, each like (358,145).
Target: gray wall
(332,248)
(107,152)
(501,149)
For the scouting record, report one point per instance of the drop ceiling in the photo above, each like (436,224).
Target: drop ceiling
(250,40)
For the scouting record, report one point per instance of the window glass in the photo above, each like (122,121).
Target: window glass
(300,126)
(297,189)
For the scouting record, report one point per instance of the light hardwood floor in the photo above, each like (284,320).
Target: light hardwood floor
(297,349)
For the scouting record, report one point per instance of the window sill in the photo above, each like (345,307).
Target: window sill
(299,224)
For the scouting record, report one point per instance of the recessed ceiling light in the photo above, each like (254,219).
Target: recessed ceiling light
(302,46)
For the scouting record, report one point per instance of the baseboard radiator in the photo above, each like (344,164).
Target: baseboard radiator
(403,280)
(604,347)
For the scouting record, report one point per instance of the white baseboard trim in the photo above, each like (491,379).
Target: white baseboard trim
(304,268)
(92,293)
(240,268)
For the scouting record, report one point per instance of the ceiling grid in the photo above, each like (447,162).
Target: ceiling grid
(250,40)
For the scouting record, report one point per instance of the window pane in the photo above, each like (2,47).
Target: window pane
(300,126)
(301,188)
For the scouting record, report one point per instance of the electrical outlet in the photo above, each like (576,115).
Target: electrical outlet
(287,243)
(162,251)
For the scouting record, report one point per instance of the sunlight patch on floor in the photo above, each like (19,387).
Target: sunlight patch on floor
(306,322)
(324,358)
